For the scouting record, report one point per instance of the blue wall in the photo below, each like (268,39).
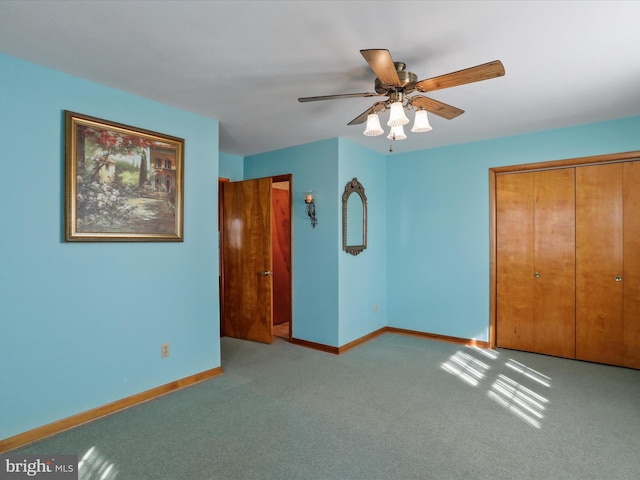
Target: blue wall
(82,323)
(363,278)
(438,221)
(231,167)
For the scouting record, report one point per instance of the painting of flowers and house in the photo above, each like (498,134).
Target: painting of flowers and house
(122,184)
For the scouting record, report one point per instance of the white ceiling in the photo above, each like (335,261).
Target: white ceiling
(245,63)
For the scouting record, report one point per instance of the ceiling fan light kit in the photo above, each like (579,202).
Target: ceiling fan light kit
(394,82)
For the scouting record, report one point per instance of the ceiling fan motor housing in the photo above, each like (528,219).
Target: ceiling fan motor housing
(407,81)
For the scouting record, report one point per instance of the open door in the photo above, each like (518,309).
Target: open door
(247,267)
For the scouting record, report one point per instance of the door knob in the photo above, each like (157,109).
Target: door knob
(618,278)
(266,273)
(537,274)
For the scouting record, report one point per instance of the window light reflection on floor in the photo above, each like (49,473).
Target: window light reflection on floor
(529,372)
(525,403)
(492,354)
(94,466)
(467,367)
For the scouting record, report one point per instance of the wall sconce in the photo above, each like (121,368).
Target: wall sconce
(311,207)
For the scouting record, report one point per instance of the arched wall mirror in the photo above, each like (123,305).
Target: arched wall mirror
(354,218)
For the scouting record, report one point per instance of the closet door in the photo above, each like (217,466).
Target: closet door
(514,261)
(631,276)
(554,262)
(599,263)
(535,218)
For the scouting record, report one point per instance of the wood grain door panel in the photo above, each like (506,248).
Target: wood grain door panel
(599,259)
(631,276)
(246,247)
(514,261)
(554,262)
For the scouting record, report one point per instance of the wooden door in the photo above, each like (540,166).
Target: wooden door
(247,266)
(631,276)
(554,262)
(536,262)
(599,264)
(514,262)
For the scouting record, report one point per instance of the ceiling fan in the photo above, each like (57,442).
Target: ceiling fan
(395,82)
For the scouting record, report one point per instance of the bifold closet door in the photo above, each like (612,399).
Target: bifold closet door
(631,275)
(554,262)
(535,240)
(514,261)
(599,263)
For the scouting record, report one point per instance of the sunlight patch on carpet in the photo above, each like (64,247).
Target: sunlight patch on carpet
(472,366)
(518,399)
(95,466)
(529,372)
(467,367)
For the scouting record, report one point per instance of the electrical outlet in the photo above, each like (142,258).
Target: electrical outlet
(376,308)
(164,350)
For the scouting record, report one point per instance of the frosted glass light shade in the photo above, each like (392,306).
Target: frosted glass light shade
(397,118)
(421,122)
(373,128)
(397,133)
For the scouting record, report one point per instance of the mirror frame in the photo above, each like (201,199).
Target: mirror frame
(354,187)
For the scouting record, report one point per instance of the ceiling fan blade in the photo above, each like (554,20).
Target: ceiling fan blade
(485,71)
(377,107)
(334,97)
(382,65)
(361,118)
(436,107)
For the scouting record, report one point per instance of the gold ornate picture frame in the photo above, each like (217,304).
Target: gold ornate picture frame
(122,184)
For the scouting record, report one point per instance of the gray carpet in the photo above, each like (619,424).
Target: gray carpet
(397,407)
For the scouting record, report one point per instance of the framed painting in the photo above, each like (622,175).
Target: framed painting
(122,184)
